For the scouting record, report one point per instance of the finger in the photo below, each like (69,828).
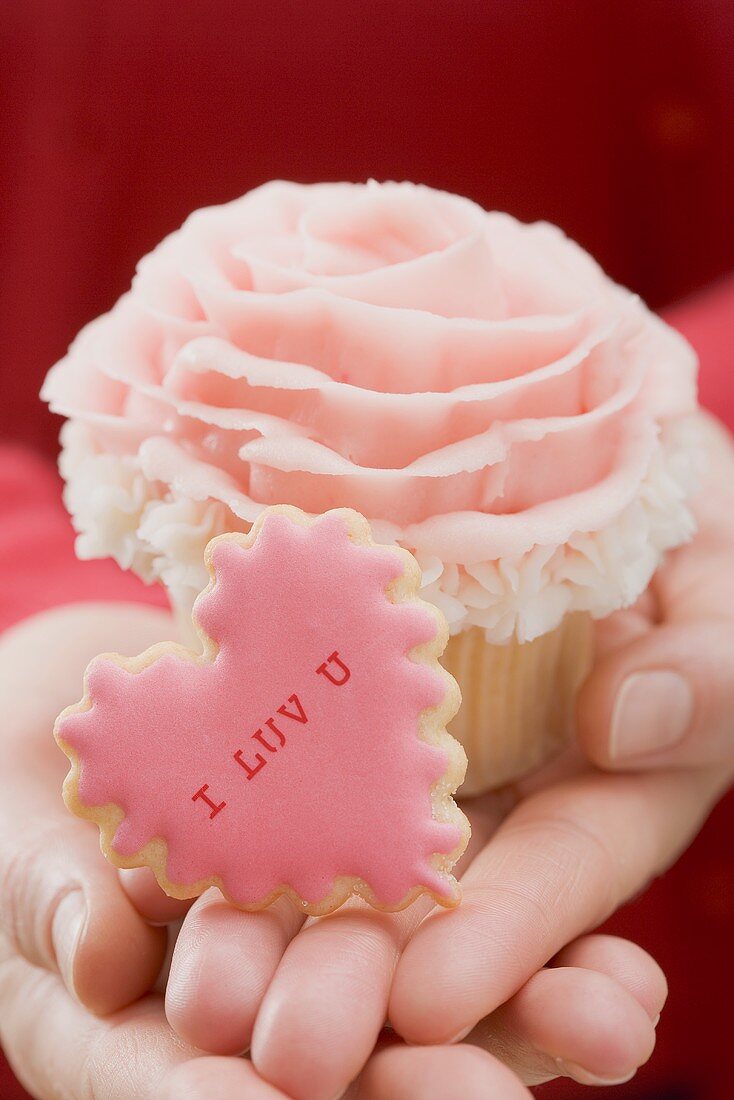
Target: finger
(222,964)
(665,700)
(601,1037)
(58,1049)
(627,963)
(63,907)
(61,903)
(43,660)
(560,864)
(433,1073)
(211,1078)
(622,628)
(335,980)
(141,887)
(225,960)
(695,579)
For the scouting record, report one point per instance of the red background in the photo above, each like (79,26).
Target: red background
(614,118)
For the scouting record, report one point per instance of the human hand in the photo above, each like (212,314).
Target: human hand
(311,1002)
(72,946)
(61,964)
(59,1049)
(574,842)
(112,955)
(566,855)
(573,846)
(662,694)
(62,907)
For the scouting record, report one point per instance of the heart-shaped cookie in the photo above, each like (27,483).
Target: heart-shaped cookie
(304,751)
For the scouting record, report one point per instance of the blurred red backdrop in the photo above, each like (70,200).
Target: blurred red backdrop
(614,119)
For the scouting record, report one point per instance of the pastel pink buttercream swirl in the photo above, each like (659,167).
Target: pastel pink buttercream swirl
(476,387)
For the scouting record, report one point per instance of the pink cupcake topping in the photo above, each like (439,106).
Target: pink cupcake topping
(476,387)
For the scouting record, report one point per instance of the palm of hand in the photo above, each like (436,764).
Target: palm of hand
(550,859)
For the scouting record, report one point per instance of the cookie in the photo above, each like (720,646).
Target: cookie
(303,751)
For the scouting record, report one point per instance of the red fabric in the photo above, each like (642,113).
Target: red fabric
(708,321)
(37,556)
(614,119)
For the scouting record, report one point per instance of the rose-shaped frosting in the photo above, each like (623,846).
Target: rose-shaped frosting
(476,387)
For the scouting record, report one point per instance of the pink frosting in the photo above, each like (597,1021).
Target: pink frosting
(476,387)
(289,755)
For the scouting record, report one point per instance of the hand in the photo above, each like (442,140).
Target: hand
(72,944)
(574,844)
(568,854)
(663,693)
(59,1049)
(61,906)
(659,704)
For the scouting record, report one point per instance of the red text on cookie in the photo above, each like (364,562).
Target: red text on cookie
(294,711)
(214,806)
(342,672)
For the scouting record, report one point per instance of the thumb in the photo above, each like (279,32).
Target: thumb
(62,905)
(63,908)
(665,699)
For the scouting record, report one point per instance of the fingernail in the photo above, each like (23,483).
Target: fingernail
(652,712)
(66,931)
(578,1073)
(460,1035)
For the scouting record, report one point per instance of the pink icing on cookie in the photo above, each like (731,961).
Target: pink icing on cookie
(289,754)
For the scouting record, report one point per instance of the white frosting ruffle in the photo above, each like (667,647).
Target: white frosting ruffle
(161,536)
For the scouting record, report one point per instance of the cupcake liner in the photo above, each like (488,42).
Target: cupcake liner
(518,699)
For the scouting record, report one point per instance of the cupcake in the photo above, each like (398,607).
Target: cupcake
(477,388)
